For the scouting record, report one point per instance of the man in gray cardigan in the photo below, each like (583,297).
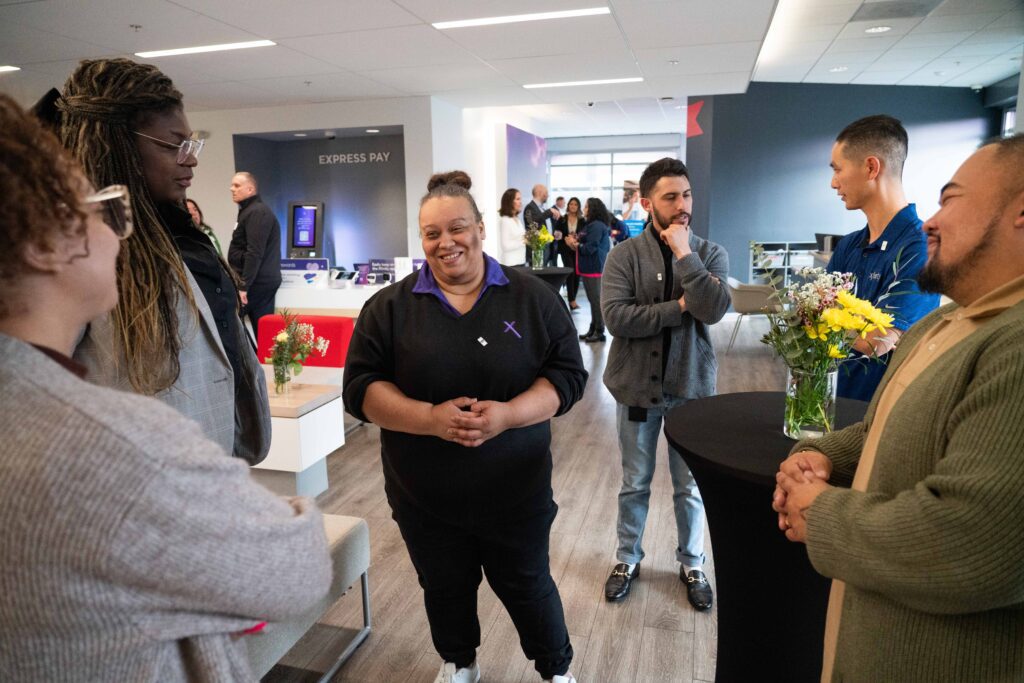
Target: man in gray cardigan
(917,512)
(660,293)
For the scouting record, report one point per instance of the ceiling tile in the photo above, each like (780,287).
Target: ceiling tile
(944,40)
(326,87)
(406,46)
(974,6)
(274,19)
(432,11)
(694,59)
(228,95)
(275,61)
(501,96)
(955,22)
(21,45)
(670,23)
(538,38)
(424,80)
(615,62)
(163,24)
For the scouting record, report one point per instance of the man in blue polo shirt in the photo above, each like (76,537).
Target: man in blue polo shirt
(867,173)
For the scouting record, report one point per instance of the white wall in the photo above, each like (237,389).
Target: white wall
(217,163)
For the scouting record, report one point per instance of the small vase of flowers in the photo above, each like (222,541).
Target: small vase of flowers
(813,323)
(536,238)
(292,346)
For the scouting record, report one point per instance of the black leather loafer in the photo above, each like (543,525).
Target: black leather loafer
(595,337)
(698,590)
(617,585)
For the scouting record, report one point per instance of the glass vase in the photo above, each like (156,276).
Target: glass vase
(810,402)
(282,379)
(537,258)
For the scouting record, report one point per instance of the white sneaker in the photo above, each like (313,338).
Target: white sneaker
(449,674)
(567,678)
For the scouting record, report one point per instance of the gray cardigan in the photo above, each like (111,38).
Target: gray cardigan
(131,548)
(634,312)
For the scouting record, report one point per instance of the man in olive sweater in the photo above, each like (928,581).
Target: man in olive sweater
(917,512)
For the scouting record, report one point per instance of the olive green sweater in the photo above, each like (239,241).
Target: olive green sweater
(933,552)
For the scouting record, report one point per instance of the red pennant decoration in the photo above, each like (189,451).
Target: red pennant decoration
(693,128)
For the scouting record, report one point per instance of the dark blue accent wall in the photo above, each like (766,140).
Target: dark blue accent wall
(767,154)
(363,194)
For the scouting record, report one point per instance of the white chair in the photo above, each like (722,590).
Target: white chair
(747,300)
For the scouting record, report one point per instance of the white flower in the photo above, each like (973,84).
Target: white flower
(282,336)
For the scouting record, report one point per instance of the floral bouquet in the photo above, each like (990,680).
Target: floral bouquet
(813,323)
(292,346)
(536,238)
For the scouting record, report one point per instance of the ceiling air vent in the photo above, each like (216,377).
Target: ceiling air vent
(881,10)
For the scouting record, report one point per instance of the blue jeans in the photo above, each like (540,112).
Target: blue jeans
(638,442)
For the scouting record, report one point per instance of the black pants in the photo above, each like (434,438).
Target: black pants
(572,283)
(261,303)
(513,552)
(592,285)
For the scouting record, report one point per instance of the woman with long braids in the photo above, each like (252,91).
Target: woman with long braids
(175,333)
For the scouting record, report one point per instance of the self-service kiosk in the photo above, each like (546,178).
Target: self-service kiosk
(305,229)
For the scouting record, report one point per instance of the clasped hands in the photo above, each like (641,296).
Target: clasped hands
(469,422)
(800,480)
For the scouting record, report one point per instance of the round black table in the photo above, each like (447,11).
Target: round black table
(555,277)
(771,602)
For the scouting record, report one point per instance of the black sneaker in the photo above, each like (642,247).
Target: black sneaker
(698,590)
(595,337)
(617,585)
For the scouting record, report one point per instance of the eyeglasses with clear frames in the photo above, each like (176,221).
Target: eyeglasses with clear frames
(116,207)
(186,148)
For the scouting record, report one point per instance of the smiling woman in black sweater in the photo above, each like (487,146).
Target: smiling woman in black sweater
(462,365)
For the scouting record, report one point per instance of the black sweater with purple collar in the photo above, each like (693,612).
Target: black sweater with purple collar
(515,333)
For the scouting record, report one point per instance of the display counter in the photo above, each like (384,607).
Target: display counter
(347,301)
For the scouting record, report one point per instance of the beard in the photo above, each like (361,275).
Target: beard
(942,279)
(661,221)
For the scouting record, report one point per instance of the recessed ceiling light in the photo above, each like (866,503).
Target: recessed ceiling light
(299,135)
(9,68)
(878,29)
(680,106)
(567,84)
(205,48)
(515,18)
(372,130)
(838,69)
(940,73)
(673,62)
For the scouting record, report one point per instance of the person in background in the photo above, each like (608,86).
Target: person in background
(592,245)
(176,332)
(462,365)
(569,224)
(133,549)
(916,512)
(197,220)
(662,292)
(510,228)
(867,174)
(255,249)
(535,214)
(632,208)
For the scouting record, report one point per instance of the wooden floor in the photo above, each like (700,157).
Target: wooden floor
(652,636)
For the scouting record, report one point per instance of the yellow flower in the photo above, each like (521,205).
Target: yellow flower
(811,332)
(834,352)
(282,336)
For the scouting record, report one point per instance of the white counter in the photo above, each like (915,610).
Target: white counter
(322,301)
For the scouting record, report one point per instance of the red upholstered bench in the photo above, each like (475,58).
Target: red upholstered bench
(336,329)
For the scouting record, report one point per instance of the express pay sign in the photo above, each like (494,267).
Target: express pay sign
(355,158)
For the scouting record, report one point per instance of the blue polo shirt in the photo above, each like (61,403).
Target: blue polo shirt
(874,265)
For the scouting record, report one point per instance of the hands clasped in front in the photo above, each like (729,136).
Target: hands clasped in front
(469,422)
(800,480)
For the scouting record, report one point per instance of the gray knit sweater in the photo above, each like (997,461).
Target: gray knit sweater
(933,552)
(131,548)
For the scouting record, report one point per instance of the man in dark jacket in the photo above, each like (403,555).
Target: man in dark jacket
(255,251)
(533,213)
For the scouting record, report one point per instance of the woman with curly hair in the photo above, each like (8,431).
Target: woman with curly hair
(462,365)
(133,548)
(175,333)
